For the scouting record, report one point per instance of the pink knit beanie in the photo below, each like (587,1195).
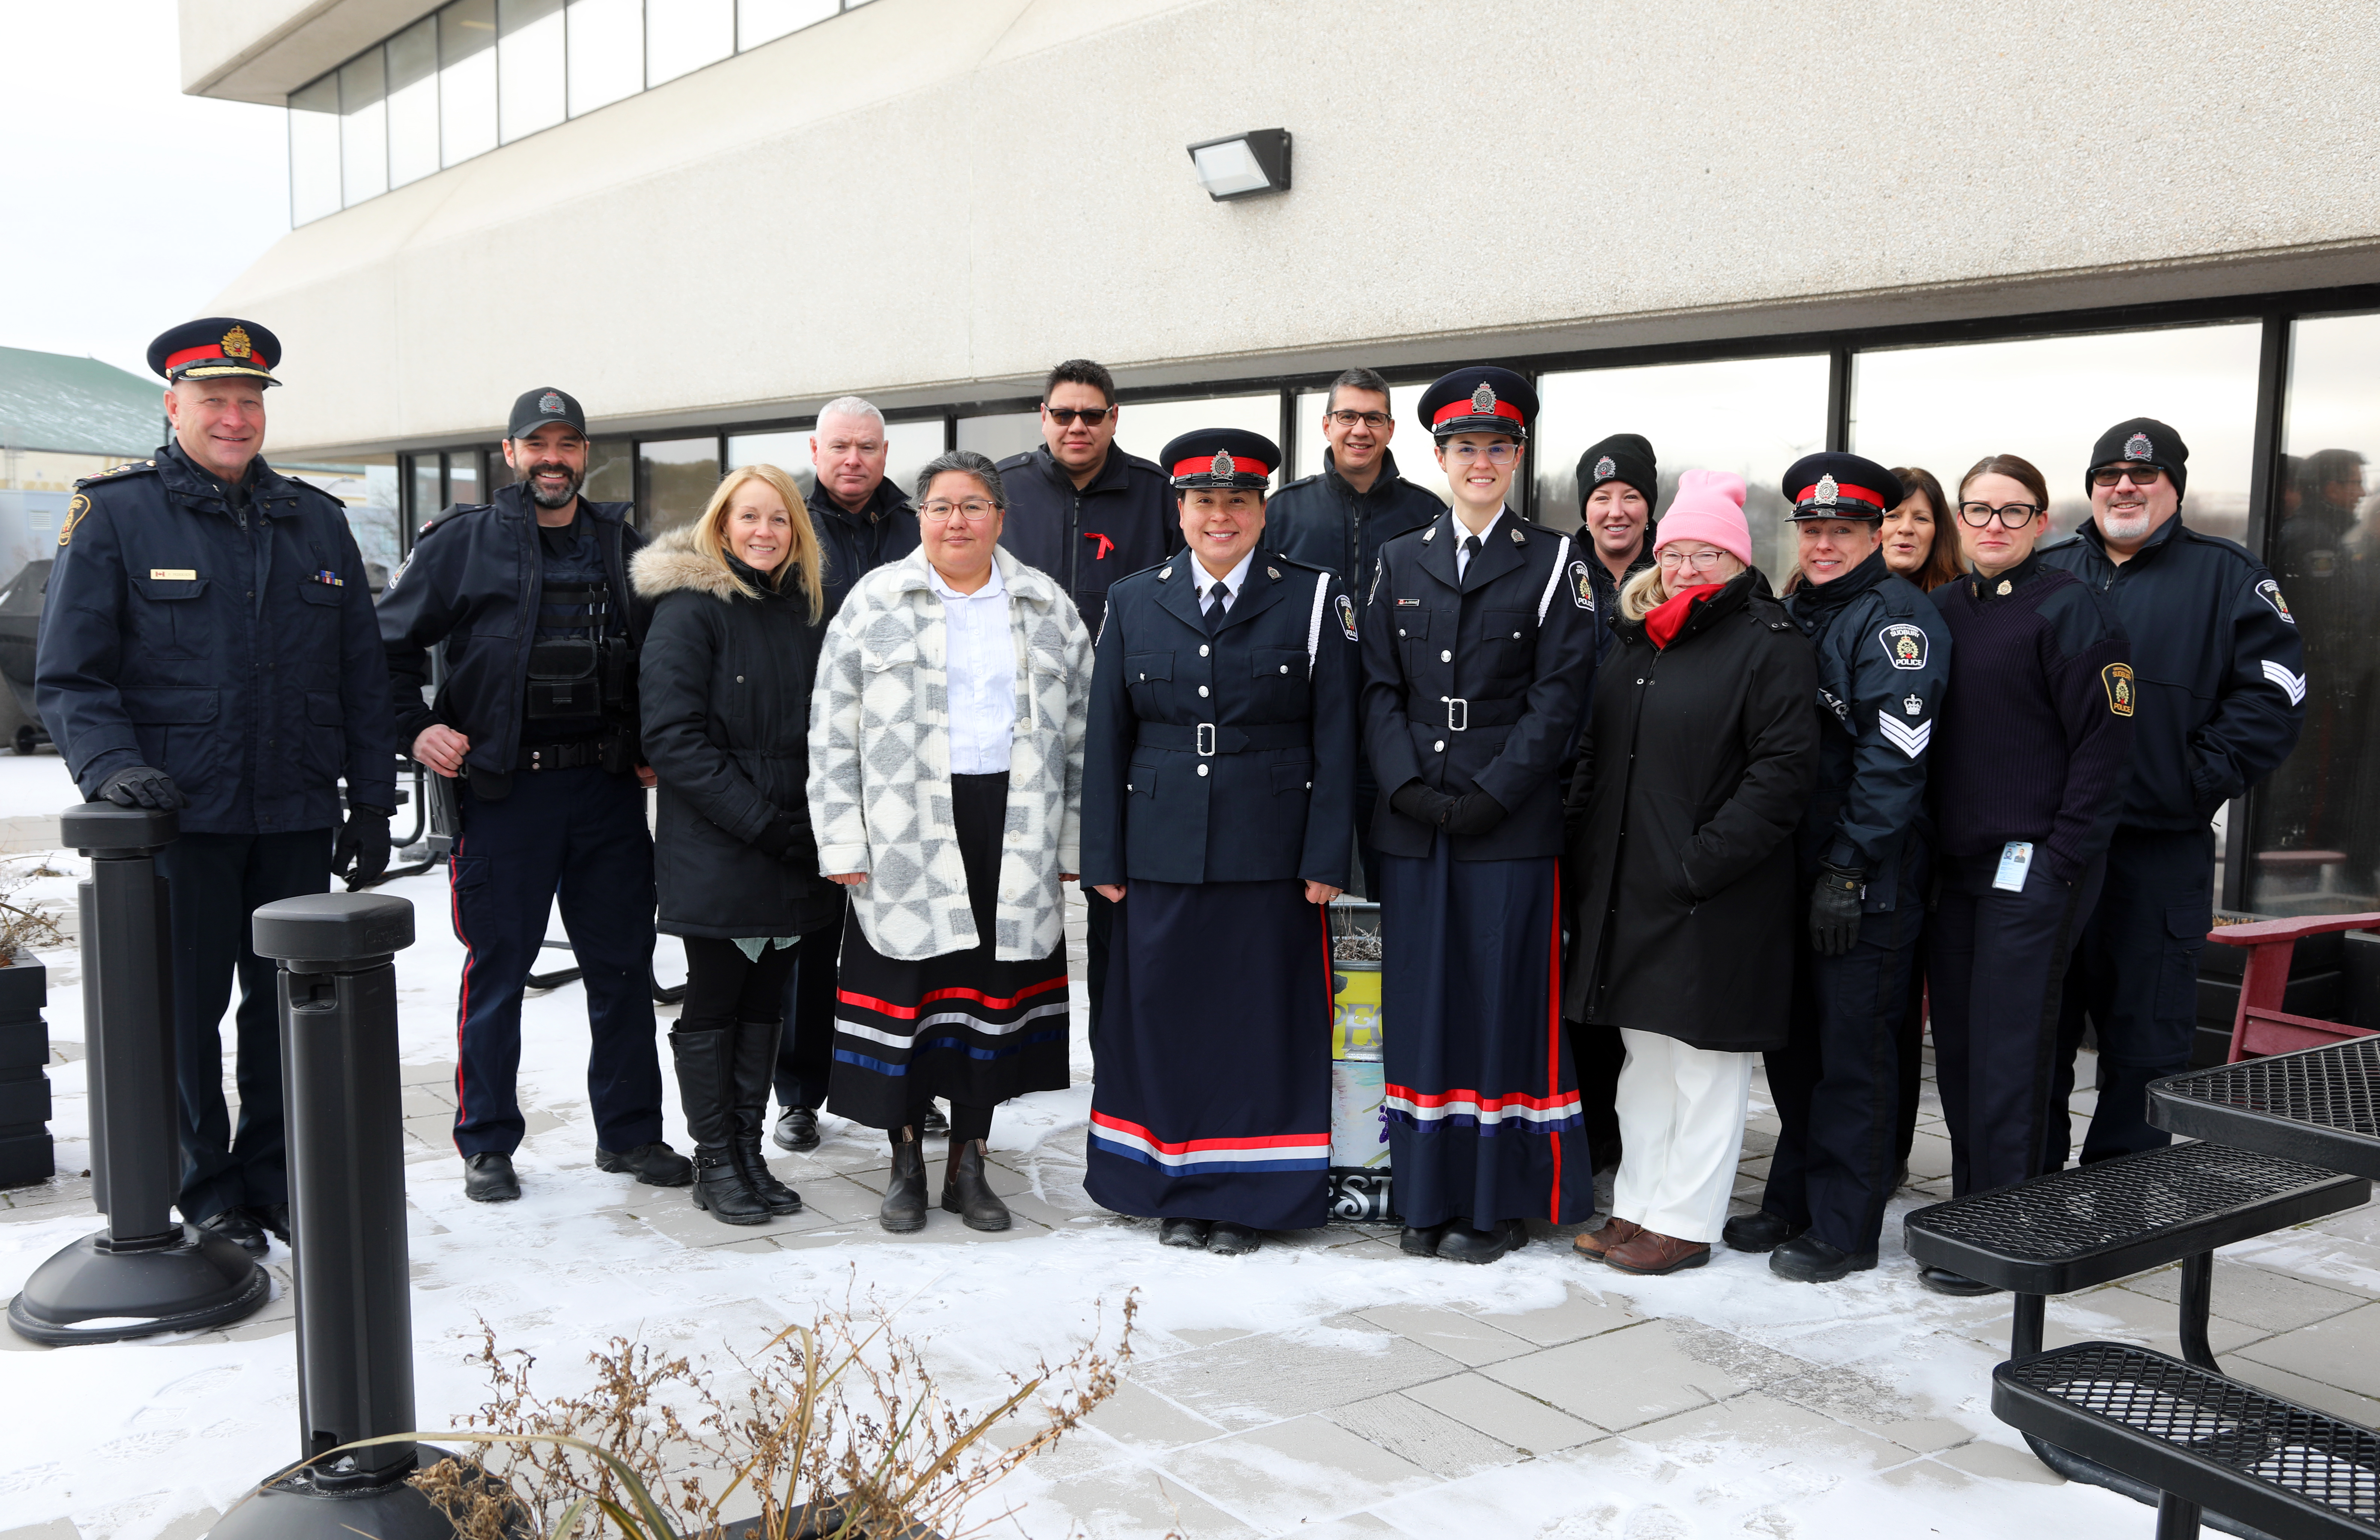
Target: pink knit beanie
(1708,507)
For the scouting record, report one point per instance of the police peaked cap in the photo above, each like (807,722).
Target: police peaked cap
(1480,399)
(1841,486)
(215,349)
(1625,458)
(2143,440)
(1221,457)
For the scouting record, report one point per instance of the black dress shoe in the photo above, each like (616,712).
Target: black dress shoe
(274,1216)
(796,1130)
(1191,1235)
(1462,1243)
(1942,1281)
(1232,1239)
(655,1165)
(1758,1231)
(488,1177)
(233,1225)
(1807,1260)
(1425,1240)
(933,1122)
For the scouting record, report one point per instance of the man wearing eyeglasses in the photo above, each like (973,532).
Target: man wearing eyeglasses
(2221,687)
(1340,518)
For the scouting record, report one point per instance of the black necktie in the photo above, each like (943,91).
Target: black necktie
(1470,552)
(1215,611)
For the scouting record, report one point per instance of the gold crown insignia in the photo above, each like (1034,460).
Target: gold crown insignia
(236,343)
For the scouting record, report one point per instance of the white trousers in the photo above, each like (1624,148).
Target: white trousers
(1681,1112)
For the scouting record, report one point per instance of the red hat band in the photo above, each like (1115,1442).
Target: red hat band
(1843,491)
(1465,407)
(1204,465)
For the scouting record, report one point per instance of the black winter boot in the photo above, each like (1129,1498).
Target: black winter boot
(706,1077)
(903,1208)
(966,1193)
(756,1062)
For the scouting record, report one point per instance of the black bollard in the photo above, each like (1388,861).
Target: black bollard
(146,1272)
(346,1206)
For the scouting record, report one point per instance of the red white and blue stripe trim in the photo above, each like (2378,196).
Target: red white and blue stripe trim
(1538,1114)
(1280,1152)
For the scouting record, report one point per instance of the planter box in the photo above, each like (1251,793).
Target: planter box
(25,1152)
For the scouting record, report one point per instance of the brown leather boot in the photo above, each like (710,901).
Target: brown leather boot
(1651,1254)
(1596,1243)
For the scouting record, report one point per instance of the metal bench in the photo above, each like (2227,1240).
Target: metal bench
(2200,1440)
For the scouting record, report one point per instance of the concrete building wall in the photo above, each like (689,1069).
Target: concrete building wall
(933,200)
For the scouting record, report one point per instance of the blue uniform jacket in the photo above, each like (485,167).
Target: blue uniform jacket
(1091,537)
(1478,686)
(473,582)
(2220,670)
(233,650)
(1884,662)
(1267,790)
(1323,521)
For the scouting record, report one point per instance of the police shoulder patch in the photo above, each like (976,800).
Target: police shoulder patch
(1347,616)
(1904,645)
(1582,586)
(75,512)
(2117,678)
(2270,593)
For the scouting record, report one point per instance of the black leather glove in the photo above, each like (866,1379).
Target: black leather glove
(141,786)
(782,839)
(1473,813)
(359,855)
(1835,909)
(1416,801)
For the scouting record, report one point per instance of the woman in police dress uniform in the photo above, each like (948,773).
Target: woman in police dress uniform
(1217,781)
(1478,652)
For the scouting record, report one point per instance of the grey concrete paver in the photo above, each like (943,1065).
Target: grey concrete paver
(2343,1351)
(2254,1296)
(2305,1392)
(1127,1499)
(1280,1476)
(1581,1315)
(1995,1461)
(1775,1432)
(1279,1374)
(2113,1314)
(1138,1416)
(1852,1397)
(1503,1413)
(1422,1434)
(1465,1338)
(1619,1379)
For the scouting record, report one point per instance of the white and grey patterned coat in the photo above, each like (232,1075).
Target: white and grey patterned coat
(880,780)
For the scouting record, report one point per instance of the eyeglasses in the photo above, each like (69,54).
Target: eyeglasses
(2016,515)
(1498,454)
(1064,416)
(975,510)
(1704,560)
(2142,476)
(1369,420)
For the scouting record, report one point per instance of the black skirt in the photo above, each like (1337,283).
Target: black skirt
(963,1026)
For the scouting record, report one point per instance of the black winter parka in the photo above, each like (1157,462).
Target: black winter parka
(1697,764)
(726,682)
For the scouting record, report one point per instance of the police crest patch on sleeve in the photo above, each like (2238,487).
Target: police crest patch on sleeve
(2267,590)
(1904,645)
(1347,616)
(2117,678)
(75,512)
(1582,586)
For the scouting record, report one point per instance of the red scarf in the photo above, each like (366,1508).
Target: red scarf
(1663,622)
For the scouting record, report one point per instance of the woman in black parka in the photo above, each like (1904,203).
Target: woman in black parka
(1699,758)
(725,685)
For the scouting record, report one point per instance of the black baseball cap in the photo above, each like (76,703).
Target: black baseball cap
(536,408)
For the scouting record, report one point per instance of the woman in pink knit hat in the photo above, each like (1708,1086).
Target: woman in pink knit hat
(1700,753)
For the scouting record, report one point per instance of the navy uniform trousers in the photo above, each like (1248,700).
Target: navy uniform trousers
(2136,975)
(213,883)
(579,836)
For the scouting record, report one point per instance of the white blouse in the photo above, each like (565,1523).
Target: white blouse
(982,674)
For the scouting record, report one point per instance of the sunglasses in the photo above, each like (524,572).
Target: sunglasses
(1064,416)
(2143,476)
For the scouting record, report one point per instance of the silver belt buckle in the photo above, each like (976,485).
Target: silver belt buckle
(1205,740)
(1458,713)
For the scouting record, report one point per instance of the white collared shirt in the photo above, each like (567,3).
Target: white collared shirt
(1462,556)
(981,671)
(1231,581)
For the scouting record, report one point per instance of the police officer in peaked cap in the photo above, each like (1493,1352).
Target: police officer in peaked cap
(208,644)
(1218,772)
(1479,639)
(1864,856)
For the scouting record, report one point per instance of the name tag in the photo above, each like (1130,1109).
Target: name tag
(184,574)
(2016,859)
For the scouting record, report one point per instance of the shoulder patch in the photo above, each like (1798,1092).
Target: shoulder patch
(2117,678)
(1582,586)
(2270,593)
(1347,616)
(1904,645)
(75,512)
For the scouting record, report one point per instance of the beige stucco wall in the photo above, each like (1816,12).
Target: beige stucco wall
(262,50)
(933,200)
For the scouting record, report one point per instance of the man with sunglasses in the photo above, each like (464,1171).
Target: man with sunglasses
(2221,686)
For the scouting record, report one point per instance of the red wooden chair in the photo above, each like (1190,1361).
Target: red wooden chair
(2262,1027)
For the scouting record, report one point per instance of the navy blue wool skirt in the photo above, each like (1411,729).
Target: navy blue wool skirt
(1482,1101)
(963,1026)
(1212,1098)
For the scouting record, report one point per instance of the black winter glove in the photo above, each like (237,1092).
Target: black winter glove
(141,786)
(1473,813)
(359,856)
(1835,909)
(780,839)
(1416,801)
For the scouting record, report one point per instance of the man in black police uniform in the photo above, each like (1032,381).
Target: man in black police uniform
(207,644)
(1087,513)
(1340,519)
(536,720)
(1863,851)
(2221,680)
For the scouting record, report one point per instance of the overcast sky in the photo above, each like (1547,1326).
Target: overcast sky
(130,205)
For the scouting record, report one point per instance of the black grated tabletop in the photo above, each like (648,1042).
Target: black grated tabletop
(2318,1105)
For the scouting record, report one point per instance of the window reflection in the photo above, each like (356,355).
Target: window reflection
(466,80)
(1146,427)
(531,83)
(413,103)
(1411,446)
(758,21)
(675,478)
(907,447)
(363,128)
(314,151)
(610,471)
(1753,417)
(684,35)
(1000,434)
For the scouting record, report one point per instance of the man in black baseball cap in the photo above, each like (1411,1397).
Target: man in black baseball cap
(536,408)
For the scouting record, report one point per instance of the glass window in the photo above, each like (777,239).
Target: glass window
(1146,427)
(413,103)
(1417,464)
(787,449)
(1000,434)
(466,80)
(2048,399)
(314,151)
(426,492)
(908,445)
(363,128)
(2317,823)
(676,477)
(1753,417)
(682,36)
(463,476)
(758,21)
(607,52)
(369,488)
(531,90)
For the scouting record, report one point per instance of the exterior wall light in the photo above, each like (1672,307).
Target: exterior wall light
(1244,165)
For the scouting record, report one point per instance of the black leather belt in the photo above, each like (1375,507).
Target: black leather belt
(1207,739)
(1458,715)
(576,755)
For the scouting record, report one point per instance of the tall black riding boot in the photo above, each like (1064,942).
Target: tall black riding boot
(706,1080)
(756,1066)
(903,1208)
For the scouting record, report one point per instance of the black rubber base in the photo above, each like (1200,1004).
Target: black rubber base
(293,1507)
(203,1280)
